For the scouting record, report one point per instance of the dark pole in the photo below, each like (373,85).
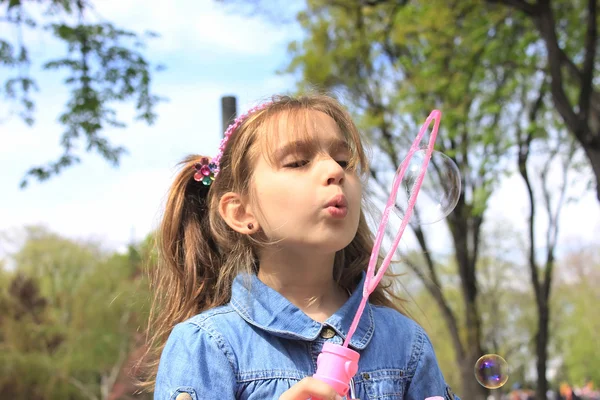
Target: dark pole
(228,111)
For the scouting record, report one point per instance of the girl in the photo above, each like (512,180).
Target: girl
(262,252)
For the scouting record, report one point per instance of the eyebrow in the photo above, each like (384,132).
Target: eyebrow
(298,146)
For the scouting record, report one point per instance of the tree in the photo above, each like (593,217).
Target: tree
(104,64)
(546,156)
(570,64)
(27,341)
(70,317)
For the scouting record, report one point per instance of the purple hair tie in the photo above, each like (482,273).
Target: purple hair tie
(214,166)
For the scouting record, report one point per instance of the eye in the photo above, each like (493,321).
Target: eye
(296,164)
(343,163)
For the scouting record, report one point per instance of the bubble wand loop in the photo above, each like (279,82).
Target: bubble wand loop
(336,364)
(372,279)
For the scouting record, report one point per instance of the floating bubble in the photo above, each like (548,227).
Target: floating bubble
(491,371)
(440,189)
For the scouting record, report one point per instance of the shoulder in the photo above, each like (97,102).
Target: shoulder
(209,328)
(196,358)
(216,322)
(197,335)
(401,323)
(213,319)
(414,339)
(414,349)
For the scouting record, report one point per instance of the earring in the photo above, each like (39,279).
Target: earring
(250,226)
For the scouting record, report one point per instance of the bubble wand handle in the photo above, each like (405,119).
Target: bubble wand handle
(336,365)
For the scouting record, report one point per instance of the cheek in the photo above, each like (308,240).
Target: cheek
(357,198)
(276,199)
(356,186)
(273,195)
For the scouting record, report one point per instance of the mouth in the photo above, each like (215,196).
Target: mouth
(337,206)
(337,201)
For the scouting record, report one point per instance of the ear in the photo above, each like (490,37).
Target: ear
(237,214)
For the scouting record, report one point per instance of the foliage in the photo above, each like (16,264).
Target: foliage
(104,65)
(71,313)
(576,298)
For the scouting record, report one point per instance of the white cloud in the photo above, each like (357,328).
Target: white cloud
(204,29)
(196,26)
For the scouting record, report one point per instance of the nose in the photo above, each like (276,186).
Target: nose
(334,173)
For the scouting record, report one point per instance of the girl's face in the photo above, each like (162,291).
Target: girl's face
(306,197)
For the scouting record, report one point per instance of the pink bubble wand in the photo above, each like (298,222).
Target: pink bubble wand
(336,364)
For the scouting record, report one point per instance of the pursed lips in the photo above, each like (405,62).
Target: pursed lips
(337,206)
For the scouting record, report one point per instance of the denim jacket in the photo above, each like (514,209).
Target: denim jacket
(259,344)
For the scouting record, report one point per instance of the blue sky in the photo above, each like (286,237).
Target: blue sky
(209,52)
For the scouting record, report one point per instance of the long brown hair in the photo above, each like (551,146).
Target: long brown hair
(200,255)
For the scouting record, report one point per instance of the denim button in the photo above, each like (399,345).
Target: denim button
(183,396)
(327,333)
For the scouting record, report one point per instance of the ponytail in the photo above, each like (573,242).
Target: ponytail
(184,281)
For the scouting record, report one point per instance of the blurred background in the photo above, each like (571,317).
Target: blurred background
(99,101)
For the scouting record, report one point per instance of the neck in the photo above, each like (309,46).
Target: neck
(306,280)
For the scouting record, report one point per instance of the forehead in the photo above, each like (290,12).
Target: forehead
(309,127)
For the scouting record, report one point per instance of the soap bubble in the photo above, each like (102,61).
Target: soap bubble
(491,371)
(440,189)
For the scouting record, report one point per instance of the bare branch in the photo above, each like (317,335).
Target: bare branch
(588,63)
(553,215)
(373,3)
(447,313)
(524,144)
(108,381)
(83,389)
(546,26)
(521,5)
(426,253)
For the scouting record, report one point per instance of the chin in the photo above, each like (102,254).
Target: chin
(341,245)
(328,246)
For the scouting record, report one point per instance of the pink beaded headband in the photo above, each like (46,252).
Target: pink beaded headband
(207,170)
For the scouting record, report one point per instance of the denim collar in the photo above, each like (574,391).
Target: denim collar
(265,308)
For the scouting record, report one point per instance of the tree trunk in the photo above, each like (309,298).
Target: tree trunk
(593,156)
(465,233)
(542,349)
(542,287)
(471,389)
